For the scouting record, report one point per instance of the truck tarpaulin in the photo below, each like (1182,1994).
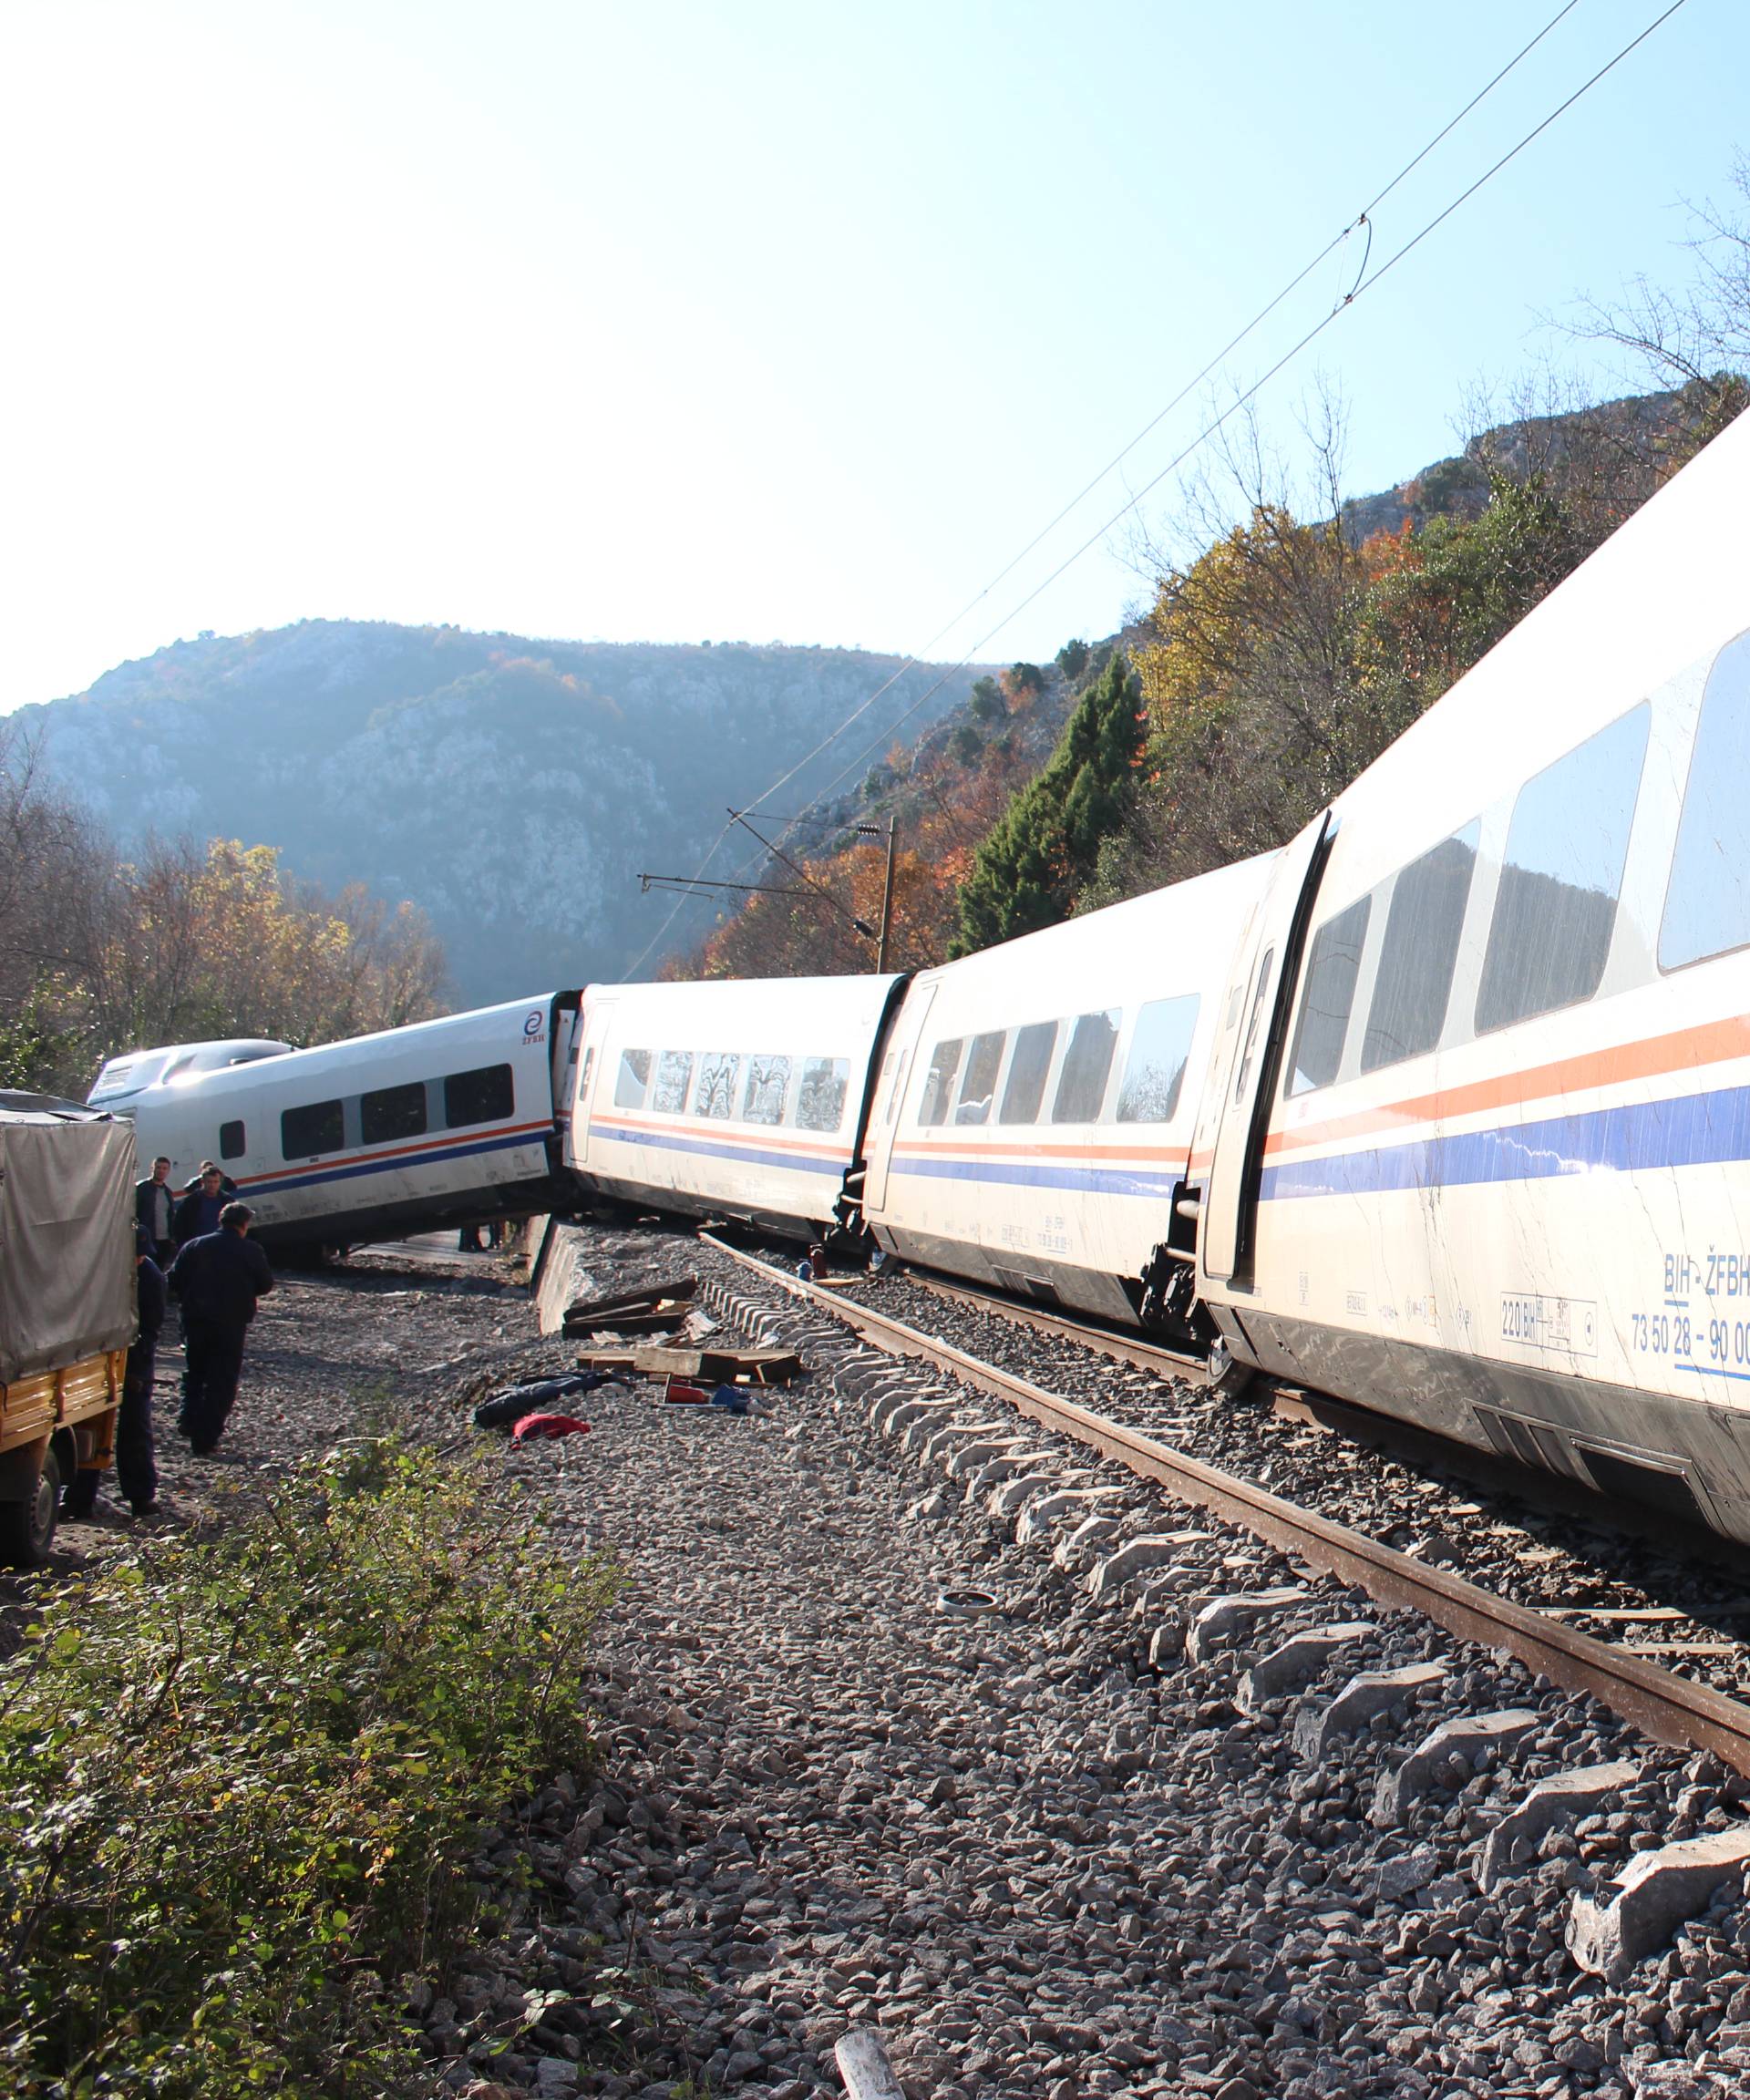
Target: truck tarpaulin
(66,1240)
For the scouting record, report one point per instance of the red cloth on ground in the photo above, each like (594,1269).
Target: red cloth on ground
(548,1425)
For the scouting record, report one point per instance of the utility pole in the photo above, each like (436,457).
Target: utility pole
(887,899)
(883,938)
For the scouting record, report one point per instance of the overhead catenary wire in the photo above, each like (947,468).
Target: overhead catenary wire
(1288,356)
(1362,285)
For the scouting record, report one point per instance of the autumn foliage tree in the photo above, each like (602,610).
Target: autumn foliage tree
(184,942)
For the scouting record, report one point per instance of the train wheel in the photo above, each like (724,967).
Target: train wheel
(1228,1376)
(28,1528)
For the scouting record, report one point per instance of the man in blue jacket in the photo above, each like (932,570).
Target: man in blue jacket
(218,1278)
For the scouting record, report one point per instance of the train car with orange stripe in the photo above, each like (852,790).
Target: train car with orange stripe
(736,1100)
(450,1122)
(1475,1146)
(1033,1117)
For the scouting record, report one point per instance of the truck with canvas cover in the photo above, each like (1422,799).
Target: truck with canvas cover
(67,1306)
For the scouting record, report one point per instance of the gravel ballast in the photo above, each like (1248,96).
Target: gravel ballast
(880,1764)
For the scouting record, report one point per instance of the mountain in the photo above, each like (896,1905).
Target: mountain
(515,789)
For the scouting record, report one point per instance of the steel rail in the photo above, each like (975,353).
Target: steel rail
(1666,1708)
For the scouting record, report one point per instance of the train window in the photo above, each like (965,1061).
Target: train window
(1088,1066)
(1257,994)
(1333,965)
(1035,1047)
(1556,907)
(674,1077)
(978,1088)
(939,1081)
(230,1141)
(485,1095)
(714,1095)
(1154,1073)
(1707,906)
(1416,956)
(898,1094)
(631,1083)
(392,1112)
(767,1090)
(820,1098)
(305,1132)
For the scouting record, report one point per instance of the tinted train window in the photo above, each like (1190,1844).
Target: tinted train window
(1331,967)
(393,1112)
(485,1095)
(1556,907)
(631,1082)
(305,1132)
(1087,1064)
(820,1098)
(1034,1047)
(1707,906)
(978,1088)
(1416,956)
(939,1081)
(767,1090)
(1154,1072)
(715,1093)
(230,1141)
(674,1077)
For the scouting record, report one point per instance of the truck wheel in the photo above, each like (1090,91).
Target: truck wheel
(28,1528)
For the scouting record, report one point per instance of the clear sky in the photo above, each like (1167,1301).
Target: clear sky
(763,320)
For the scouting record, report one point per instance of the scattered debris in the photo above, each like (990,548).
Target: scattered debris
(700,1366)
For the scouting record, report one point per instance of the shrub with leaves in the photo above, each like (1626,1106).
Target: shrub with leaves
(239,1778)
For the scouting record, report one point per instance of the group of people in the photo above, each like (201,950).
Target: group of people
(191,1244)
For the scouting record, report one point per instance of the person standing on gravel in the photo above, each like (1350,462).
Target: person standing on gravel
(155,1204)
(135,1462)
(220,1277)
(202,1202)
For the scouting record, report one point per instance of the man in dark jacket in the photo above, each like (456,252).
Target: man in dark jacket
(136,1464)
(197,1213)
(155,1204)
(218,1277)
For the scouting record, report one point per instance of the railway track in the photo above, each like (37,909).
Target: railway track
(1663,1705)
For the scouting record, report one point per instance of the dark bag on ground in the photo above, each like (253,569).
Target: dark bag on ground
(504,1410)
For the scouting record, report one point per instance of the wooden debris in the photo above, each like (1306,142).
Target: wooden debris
(638,1311)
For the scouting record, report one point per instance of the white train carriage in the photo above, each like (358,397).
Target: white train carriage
(447,1122)
(729,1098)
(1032,1121)
(1485,1162)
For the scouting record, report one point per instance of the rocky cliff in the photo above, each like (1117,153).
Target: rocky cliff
(515,789)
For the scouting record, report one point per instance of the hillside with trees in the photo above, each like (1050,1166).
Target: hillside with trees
(514,789)
(102,951)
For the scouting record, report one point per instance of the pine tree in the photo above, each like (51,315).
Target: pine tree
(1045,846)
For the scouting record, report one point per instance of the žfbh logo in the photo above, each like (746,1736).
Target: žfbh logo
(533,1025)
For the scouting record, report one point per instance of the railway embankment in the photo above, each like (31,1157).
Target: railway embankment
(915,1716)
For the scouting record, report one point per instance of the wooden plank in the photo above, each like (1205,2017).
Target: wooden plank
(645,1299)
(701,1366)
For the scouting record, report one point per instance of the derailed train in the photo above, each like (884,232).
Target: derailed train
(1444,1109)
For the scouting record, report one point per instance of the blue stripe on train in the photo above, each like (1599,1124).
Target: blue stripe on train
(314,1177)
(753,1155)
(1035,1174)
(1695,1130)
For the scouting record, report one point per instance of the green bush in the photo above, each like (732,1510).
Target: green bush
(240,1778)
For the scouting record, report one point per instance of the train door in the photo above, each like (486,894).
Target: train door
(884,1127)
(591,1054)
(565,1037)
(1246,1070)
